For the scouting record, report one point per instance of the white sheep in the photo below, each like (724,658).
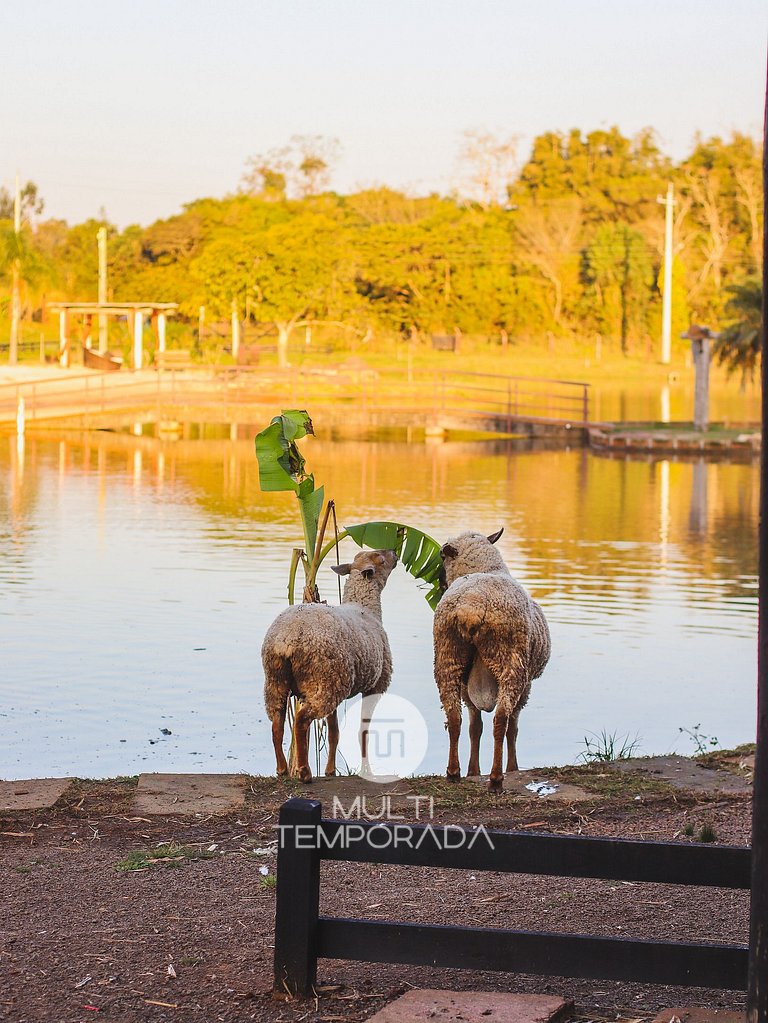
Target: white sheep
(491,641)
(324,654)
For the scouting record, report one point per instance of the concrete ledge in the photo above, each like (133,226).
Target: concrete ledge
(169,794)
(36,794)
(472,1007)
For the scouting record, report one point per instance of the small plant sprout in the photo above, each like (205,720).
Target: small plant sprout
(702,743)
(606,747)
(707,833)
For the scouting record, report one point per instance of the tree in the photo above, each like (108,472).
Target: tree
(617,267)
(303,168)
(294,271)
(548,238)
(740,343)
(489,166)
(31,202)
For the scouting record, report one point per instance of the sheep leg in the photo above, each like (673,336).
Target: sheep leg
(453,717)
(278,727)
(512,742)
(475,731)
(301,737)
(333,741)
(367,709)
(500,722)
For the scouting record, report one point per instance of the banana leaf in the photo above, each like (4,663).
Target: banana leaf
(419,553)
(281,464)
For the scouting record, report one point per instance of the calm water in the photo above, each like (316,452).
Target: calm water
(137,578)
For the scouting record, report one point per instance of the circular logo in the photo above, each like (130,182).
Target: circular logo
(385,736)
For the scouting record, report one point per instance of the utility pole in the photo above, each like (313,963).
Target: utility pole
(101,238)
(666,311)
(13,347)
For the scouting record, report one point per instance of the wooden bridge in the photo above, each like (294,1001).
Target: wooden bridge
(436,402)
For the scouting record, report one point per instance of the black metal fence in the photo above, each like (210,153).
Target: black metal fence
(302,935)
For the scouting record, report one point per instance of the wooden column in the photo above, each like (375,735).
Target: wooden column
(161,332)
(138,339)
(701,353)
(235,331)
(757,989)
(63,339)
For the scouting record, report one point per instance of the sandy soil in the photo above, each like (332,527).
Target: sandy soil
(188,935)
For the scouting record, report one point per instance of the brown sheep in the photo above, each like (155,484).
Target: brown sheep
(324,654)
(491,641)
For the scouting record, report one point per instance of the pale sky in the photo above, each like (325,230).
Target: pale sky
(138,106)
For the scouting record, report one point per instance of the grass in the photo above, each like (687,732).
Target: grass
(171,854)
(607,747)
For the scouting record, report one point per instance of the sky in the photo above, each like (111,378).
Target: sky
(138,106)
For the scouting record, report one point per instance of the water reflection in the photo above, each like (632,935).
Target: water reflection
(139,574)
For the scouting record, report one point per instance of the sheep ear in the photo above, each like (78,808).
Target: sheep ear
(448,552)
(342,569)
(495,536)
(367,573)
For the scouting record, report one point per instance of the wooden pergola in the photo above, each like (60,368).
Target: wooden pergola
(134,312)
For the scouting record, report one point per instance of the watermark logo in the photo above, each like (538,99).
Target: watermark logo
(389,738)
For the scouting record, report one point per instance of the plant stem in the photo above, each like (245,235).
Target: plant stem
(296,557)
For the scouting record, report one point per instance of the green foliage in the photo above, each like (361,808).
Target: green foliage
(418,552)
(578,247)
(282,467)
(741,342)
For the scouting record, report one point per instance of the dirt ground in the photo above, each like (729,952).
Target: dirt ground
(109,915)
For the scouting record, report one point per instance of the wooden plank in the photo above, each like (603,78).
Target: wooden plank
(721,866)
(558,955)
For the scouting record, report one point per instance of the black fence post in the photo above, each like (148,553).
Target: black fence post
(298,897)
(757,989)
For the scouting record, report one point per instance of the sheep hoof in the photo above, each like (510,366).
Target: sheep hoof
(452,777)
(305,775)
(495,784)
(330,774)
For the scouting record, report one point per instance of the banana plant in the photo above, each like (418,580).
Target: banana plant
(283,467)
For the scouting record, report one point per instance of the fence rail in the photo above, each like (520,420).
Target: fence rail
(302,935)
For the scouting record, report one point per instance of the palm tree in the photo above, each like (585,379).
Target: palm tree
(740,343)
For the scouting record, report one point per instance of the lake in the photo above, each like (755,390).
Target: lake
(138,576)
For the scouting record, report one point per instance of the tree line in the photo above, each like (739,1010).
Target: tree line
(568,243)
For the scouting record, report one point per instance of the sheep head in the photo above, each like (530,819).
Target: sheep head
(368,567)
(468,553)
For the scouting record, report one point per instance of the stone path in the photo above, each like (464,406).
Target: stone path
(684,773)
(173,794)
(473,1007)
(699,1016)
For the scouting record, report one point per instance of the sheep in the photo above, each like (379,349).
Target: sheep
(324,655)
(491,641)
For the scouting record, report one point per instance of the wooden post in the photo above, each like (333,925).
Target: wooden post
(161,332)
(63,340)
(101,238)
(757,982)
(13,347)
(235,330)
(700,348)
(298,898)
(138,339)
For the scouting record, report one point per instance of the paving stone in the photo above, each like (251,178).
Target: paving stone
(171,794)
(685,773)
(516,782)
(375,800)
(472,1007)
(37,794)
(699,1016)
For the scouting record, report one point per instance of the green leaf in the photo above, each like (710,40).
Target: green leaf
(310,506)
(419,553)
(281,464)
